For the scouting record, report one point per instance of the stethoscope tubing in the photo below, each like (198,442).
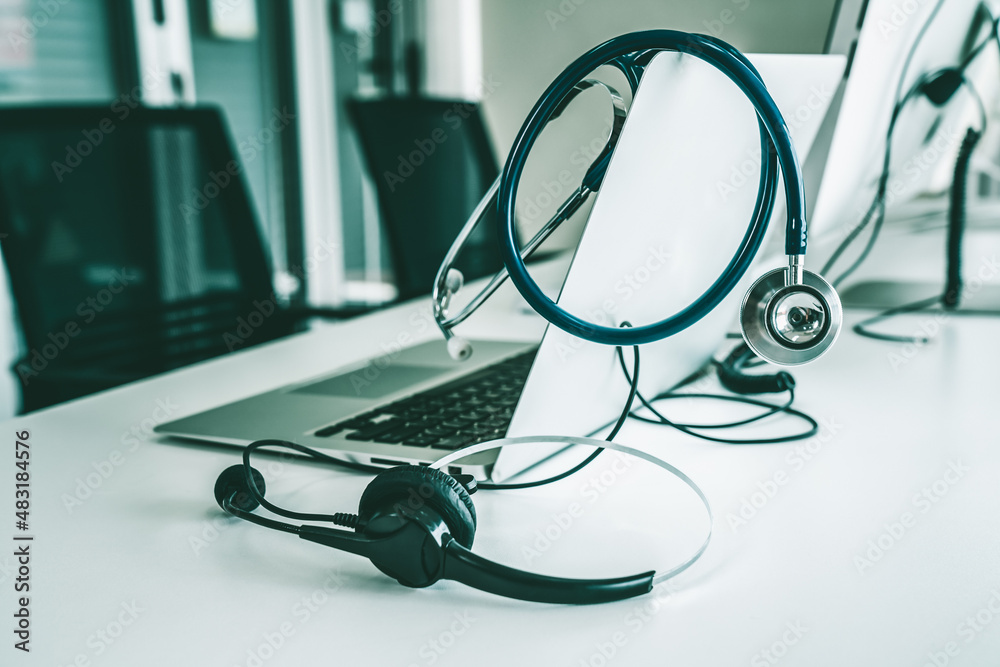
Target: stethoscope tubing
(777,149)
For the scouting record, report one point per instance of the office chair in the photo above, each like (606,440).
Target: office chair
(432,162)
(131,244)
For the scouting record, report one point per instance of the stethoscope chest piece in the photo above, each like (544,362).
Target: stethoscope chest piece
(791,324)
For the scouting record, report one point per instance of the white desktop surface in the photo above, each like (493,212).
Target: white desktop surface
(132,549)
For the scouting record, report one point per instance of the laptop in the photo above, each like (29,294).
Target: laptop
(649,248)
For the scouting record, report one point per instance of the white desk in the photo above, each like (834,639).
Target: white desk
(147,571)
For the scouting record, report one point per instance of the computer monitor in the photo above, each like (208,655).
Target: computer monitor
(926,138)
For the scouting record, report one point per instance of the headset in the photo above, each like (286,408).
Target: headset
(417,524)
(790,316)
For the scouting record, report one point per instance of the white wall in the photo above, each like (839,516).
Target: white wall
(453,64)
(527,43)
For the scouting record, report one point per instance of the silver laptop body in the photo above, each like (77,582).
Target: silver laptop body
(651,246)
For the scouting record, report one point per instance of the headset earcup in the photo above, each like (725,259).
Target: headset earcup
(413,485)
(232,486)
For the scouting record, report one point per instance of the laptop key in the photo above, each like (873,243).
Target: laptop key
(419,441)
(372,432)
(327,431)
(440,431)
(454,442)
(400,434)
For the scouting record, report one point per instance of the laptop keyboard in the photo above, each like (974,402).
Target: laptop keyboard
(473,408)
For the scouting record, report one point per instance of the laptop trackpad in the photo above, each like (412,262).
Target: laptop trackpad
(371,381)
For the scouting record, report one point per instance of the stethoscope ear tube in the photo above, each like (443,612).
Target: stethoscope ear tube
(776,149)
(448,280)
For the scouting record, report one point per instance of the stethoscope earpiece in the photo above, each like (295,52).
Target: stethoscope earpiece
(459,349)
(453,281)
(791,323)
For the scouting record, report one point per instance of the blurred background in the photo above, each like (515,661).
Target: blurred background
(186,178)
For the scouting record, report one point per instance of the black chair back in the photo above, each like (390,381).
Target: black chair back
(432,162)
(131,243)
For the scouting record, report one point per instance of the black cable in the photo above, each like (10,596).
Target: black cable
(956,221)
(877,206)
(978,48)
(956,225)
(229,507)
(861,328)
(877,209)
(312,453)
(690,429)
(772,408)
(362,467)
(663,421)
(633,392)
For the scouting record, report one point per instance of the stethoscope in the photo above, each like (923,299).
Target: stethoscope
(789,316)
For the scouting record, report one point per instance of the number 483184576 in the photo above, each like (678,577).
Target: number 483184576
(22,493)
